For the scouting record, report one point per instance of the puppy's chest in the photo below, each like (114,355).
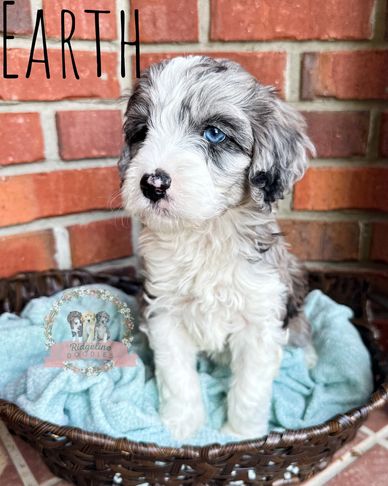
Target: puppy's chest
(212,289)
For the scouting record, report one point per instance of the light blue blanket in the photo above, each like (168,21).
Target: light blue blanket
(123,402)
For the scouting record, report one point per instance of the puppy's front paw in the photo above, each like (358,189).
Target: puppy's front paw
(254,433)
(182,420)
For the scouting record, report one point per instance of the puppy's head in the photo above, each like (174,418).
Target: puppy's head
(202,135)
(102,318)
(88,318)
(74,318)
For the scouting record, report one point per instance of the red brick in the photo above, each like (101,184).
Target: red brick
(8,473)
(100,241)
(167,20)
(37,87)
(34,461)
(345,75)
(384,135)
(328,188)
(379,246)
(378,419)
(267,67)
(21,138)
(89,134)
(84,22)
(338,133)
(28,197)
(321,240)
(26,252)
(18,17)
(349,447)
(370,469)
(235,20)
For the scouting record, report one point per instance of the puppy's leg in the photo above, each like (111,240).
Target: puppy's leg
(255,361)
(175,355)
(91,334)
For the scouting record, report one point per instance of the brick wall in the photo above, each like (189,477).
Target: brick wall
(60,139)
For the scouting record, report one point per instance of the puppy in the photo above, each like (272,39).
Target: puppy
(102,330)
(74,318)
(89,324)
(208,152)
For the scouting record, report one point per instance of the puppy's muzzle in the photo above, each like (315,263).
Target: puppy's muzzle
(154,186)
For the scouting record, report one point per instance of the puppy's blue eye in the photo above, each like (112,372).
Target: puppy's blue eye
(214,135)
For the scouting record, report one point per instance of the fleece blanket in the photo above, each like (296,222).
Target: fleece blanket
(123,401)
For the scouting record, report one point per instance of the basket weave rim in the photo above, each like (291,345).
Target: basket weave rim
(273,440)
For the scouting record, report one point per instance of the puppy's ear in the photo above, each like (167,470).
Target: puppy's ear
(280,145)
(123,162)
(136,116)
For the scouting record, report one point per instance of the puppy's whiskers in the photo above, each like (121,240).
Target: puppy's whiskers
(114,197)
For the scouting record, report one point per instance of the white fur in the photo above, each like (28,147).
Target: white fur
(208,288)
(208,297)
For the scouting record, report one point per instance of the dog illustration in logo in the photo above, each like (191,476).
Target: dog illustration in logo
(102,331)
(74,318)
(89,326)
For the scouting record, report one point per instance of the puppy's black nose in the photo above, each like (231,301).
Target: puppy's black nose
(154,186)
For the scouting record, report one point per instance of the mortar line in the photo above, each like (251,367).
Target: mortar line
(379,20)
(285,205)
(62,254)
(16,457)
(96,216)
(24,41)
(125,83)
(345,215)
(332,104)
(52,164)
(356,267)
(51,482)
(48,166)
(382,433)
(117,263)
(373,134)
(383,442)
(267,46)
(293,76)
(62,221)
(100,215)
(49,105)
(346,163)
(365,240)
(342,462)
(319,104)
(324,104)
(35,5)
(50,135)
(203,22)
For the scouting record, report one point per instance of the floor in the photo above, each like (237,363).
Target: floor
(364,462)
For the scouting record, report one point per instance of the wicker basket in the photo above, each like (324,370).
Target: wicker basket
(86,458)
